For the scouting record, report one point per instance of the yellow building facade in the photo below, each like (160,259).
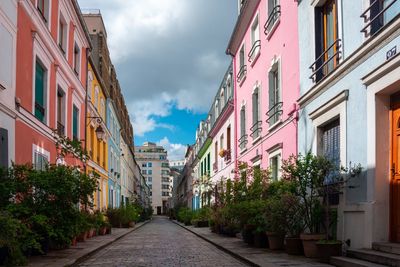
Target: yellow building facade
(97,135)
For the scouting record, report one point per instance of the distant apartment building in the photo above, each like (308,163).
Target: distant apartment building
(153,161)
(177,164)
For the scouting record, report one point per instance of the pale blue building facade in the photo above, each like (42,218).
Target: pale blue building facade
(114,155)
(349,80)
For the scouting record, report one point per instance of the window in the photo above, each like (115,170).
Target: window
(77,59)
(144,171)
(327,42)
(144,165)
(165,180)
(149,179)
(4,161)
(274,12)
(40,161)
(102,107)
(242,67)
(43,8)
(255,40)
(216,153)
(228,138)
(243,136)
(275,104)
(75,123)
(275,164)
(60,112)
(329,145)
(149,172)
(217,108)
(256,128)
(165,186)
(62,34)
(378,14)
(221,141)
(150,164)
(40,91)
(96,97)
(90,84)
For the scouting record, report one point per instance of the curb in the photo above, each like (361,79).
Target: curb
(89,254)
(230,252)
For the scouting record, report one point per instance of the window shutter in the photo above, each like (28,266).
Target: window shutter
(39,92)
(271,86)
(75,122)
(255,107)
(3,148)
(242,122)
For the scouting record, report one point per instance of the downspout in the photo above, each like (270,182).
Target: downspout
(86,102)
(235,110)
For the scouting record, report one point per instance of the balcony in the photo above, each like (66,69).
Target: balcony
(215,166)
(378,14)
(256,129)
(327,61)
(274,114)
(242,73)
(272,20)
(60,129)
(243,142)
(255,49)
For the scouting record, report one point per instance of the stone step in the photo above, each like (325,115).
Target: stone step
(375,256)
(351,262)
(393,248)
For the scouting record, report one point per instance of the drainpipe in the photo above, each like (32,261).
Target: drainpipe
(235,110)
(88,51)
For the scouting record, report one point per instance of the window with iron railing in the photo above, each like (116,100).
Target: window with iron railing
(378,14)
(242,67)
(256,127)
(40,91)
(327,43)
(274,14)
(243,135)
(255,40)
(243,142)
(274,91)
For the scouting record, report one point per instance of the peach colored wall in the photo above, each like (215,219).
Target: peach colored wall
(283,43)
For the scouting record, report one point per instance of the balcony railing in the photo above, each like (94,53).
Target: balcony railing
(242,73)
(374,16)
(215,166)
(228,155)
(254,50)
(60,128)
(272,19)
(327,61)
(243,141)
(256,129)
(274,113)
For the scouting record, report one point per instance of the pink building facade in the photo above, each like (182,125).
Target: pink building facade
(264,48)
(52,47)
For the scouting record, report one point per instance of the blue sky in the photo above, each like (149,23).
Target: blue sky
(170,59)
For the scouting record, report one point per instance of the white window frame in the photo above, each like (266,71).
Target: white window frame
(255,32)
(48,15)
(39,150)
(276,153)
(78,105)
(63,85)
(276,65)
(62,18)
(335,107)
(40,54)
(90,84)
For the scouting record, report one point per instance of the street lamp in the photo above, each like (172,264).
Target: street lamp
(100,133)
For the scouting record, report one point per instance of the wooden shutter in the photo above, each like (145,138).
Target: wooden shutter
(3,148)
(39,92)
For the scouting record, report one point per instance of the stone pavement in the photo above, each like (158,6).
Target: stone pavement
(72,255)
(161,243)
(257,256)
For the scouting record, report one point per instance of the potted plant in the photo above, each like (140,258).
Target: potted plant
(308,173)
(335,182)
(275,217)
(260,236)
(294,226)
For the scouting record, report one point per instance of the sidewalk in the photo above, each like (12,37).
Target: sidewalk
(251,255)
(74,254)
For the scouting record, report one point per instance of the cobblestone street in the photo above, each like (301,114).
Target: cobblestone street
(161,243)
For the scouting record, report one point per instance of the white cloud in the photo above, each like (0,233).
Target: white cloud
(175,151)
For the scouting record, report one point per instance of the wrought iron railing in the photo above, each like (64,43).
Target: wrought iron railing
(274,113)
(60,128)
(256,129)
(227,155)
(254,50)
(327,61)
(243,141)
(242,73)
(272,18)
(215,166)
(374,22)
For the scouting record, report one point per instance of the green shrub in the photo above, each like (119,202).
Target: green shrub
(185,215)
(122,216)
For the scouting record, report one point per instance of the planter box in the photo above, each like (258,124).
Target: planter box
(275,240)
(310,244)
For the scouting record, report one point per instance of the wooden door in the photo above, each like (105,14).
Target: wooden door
(395,177)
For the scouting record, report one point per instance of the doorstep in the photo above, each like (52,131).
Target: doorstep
(76,254)
(253,256)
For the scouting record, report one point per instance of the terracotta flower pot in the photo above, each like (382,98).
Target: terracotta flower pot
(328,250)
(73,241)
(294,246)
(310,244)
(81,237)
(131,224)
(108,230)
(102,230)
(260,240)
(275,240)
